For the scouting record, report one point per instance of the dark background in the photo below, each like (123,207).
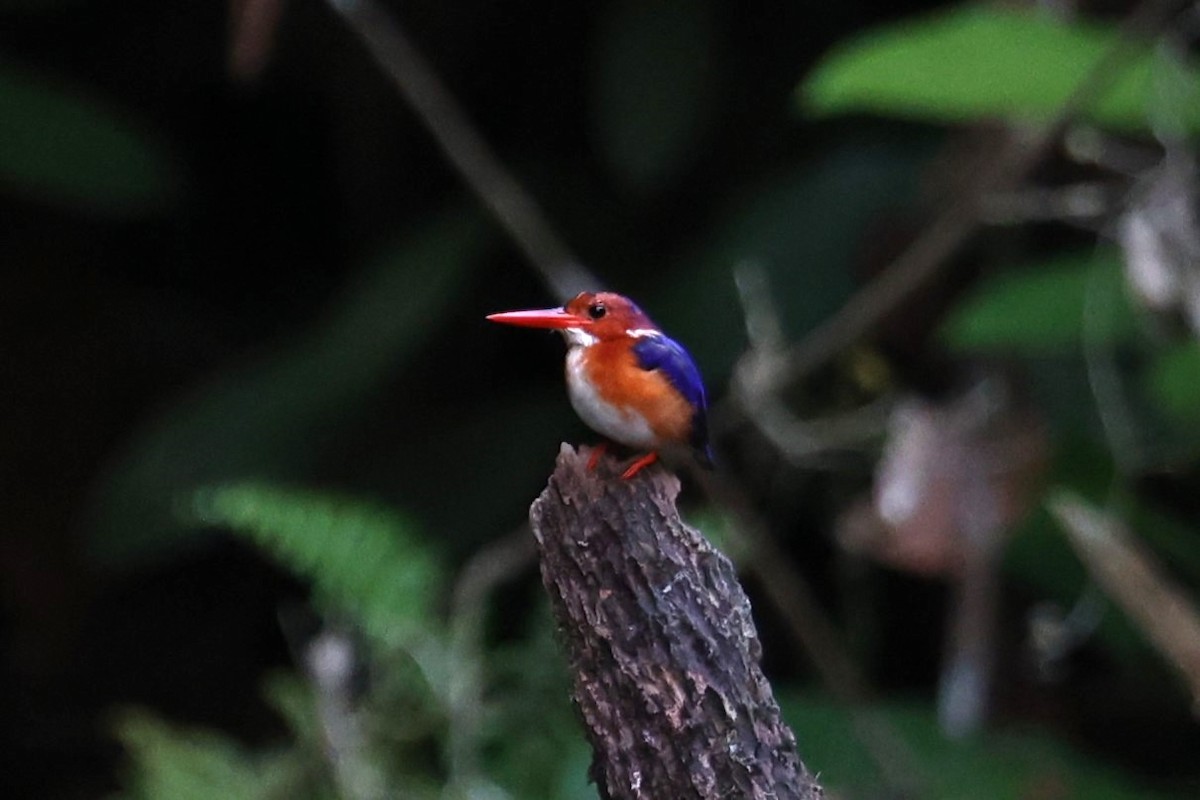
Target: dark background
(228,313)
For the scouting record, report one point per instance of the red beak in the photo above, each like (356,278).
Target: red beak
(555,318)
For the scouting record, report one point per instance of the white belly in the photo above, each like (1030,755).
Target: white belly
(622,425)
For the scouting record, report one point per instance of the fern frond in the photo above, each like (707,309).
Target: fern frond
(361,557)
(181,763)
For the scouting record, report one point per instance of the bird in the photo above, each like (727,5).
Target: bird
(626,379)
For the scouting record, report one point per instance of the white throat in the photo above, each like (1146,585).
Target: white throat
(578,337)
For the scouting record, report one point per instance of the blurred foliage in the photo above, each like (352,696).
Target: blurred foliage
(61,146)
(979,62)
(805,225)
(370,571)
(1039,558)
(1004,766)
(1080,307)
(657,88)
(189,764)
(1173,381)
(527,741)
(393,388)
(365,560)
(1117,387)
(273,416)
(1050,307)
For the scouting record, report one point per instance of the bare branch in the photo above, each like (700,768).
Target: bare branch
(800,441)
(466,149)
(661,643)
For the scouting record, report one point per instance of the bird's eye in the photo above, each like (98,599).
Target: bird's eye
(597,310)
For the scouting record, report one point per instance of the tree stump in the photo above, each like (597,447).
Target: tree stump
(663,651)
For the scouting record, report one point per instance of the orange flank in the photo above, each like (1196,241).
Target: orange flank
(613,369)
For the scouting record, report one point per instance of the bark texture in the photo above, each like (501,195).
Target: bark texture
(663,651)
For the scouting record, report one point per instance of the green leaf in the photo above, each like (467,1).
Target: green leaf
(1174,379)
(655,85)
(194,764)
(362,558)
(61,146)
(272,416)
(1049,308)
(976,62)
(291,696)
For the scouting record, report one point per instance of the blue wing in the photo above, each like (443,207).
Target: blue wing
(668,356)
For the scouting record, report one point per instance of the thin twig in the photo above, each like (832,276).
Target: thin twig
(808,442)
(1083,204)
(492,565)
(330,661)
(253,25)
(466,150)
(1134,579)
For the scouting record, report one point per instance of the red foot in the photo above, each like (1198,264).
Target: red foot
(597,453)
(640,464)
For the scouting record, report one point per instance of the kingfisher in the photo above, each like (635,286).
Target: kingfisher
(626,379)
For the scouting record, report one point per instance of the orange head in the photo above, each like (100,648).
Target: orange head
(587,317)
